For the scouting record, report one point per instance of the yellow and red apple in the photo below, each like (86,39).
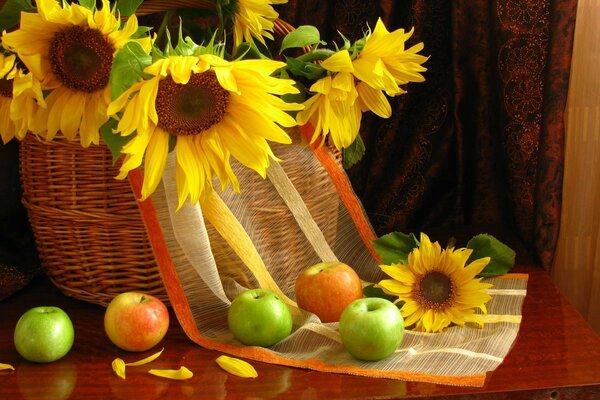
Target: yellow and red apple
(136,321)
(327,288)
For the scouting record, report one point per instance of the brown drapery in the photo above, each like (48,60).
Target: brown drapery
(480,143)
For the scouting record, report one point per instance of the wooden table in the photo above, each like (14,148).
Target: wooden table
(556,356)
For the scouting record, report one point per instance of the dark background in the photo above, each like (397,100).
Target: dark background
(478,147)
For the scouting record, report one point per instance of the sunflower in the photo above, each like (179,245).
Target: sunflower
(333,109)
(20,97)
(254,19)
(437,288)
(214,109)
(70,50)
(383,65)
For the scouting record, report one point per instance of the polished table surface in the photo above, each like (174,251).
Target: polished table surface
(556,356)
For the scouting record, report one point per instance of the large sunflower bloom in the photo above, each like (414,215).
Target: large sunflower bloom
(70,51)
(383,65)
(333,109)
(20,97)
(437,288)
(254,20)
(215,109)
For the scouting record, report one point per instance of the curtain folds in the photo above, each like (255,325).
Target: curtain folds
(480,143)
(576,268)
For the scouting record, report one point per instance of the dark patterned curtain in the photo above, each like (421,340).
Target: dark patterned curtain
(479,145)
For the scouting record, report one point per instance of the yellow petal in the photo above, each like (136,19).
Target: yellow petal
(178,374)
(155,161)
(145,360)
(396,288)
(374,100)
(345,82)
(323,85)
(237,367)
(427,321)
(188,159)
(400,273)
(118,366)
(6,367)
(338,62)
(226,79)
(181,68)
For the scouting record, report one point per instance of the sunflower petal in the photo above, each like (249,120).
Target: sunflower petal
(178,374)
(155,161)
(237,367)
(118,365)
(338,62)
(5,367)
(396,288)
(374,100)
(145,360)
(399,272)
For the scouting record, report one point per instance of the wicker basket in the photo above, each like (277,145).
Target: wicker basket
(89,232)
(88,229)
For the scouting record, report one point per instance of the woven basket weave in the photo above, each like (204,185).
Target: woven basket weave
(89,232)
(88,229)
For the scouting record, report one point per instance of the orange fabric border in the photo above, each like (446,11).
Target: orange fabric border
(345,191)
(184,315)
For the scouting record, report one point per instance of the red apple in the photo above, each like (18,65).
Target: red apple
(135,321)
(325,289)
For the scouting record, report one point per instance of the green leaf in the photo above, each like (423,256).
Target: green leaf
(128,7)
(113,141)
(10,14)
(142,31)
(89,4)
(185,46)
(502,256)
(304,68)
(353,153)
(128,68)
(346,41)
(395,247)
(305,35)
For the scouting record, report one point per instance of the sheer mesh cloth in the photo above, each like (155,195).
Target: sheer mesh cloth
(237,241)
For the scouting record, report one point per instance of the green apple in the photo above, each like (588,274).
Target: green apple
(371,328)
(258,317)
(44,334)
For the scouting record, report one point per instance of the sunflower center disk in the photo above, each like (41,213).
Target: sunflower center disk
(436,290)
(6,88)
(190,109)
(81,58)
